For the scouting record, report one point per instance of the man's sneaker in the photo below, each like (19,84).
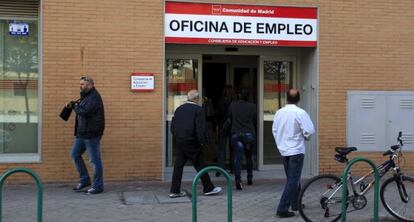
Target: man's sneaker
(81,186)
(175,195)
(249,182)
(215,191)
(94,191)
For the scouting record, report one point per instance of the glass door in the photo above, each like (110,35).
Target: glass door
(182,74)
(278,75)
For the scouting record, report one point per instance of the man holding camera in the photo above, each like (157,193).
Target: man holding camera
(89,128)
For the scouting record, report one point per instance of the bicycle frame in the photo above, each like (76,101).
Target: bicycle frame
(382,169)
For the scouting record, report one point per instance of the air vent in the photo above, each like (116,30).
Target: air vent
(407,138)
(406,104)
(19,8)
(367,139)
(367,103)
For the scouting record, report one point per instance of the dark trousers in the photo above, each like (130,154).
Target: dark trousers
(243,143)
(293,170)
(192,152)
(222,145)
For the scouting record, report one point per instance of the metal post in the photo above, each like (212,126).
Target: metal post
(344,186)
(229,191)
(39,190)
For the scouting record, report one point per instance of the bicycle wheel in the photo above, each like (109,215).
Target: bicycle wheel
(398,198)
(321,199)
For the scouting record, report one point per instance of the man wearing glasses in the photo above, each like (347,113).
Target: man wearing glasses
(89,128)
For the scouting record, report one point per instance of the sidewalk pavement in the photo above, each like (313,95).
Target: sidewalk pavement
(148,201)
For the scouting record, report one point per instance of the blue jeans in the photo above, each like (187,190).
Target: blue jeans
(243,143)
(93,147)
(293,169)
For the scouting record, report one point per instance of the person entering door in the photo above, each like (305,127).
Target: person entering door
(242,115)
(228,96)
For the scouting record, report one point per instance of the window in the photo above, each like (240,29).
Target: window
(277,79)
(19,76)
(182,76)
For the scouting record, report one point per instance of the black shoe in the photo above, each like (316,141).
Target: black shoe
(286,214)
(80,187)
(239,186)
(249,182)
(218,174)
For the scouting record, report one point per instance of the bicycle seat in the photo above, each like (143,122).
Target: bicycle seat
(345,150)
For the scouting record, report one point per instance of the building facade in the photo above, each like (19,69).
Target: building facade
(354,73)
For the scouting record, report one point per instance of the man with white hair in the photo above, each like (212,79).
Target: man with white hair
(188,128)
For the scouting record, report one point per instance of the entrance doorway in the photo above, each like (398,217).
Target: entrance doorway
(265,71)
(220,71)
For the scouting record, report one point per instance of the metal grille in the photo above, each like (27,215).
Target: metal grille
(406,104)
(407,138)
(367,139)
(367,103)
(19,8)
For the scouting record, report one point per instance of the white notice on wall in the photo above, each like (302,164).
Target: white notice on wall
(142,82)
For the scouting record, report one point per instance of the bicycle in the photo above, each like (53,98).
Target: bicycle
(320,199)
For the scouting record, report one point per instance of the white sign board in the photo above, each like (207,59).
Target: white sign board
(142,82)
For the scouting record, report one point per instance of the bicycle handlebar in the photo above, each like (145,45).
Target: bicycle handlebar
(393,148)
(399,138)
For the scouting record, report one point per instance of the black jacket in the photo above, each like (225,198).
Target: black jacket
(189,124)
(243,117)
(90,116)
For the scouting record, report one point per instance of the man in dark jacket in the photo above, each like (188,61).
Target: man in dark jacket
(89,128)
(188,128)
(243,135)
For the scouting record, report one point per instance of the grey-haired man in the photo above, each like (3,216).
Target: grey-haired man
(188,127)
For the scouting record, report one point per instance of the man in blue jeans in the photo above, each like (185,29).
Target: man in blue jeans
(291,127)
(242,114)
(89,128)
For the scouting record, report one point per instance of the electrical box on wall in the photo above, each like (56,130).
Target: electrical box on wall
(374,119)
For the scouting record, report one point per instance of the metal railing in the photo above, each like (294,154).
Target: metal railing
(229,191)
(39,190)
(345,186)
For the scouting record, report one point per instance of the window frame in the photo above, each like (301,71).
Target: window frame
(31,157)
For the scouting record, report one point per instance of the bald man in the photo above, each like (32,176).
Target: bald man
(188,128)
(291,127)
